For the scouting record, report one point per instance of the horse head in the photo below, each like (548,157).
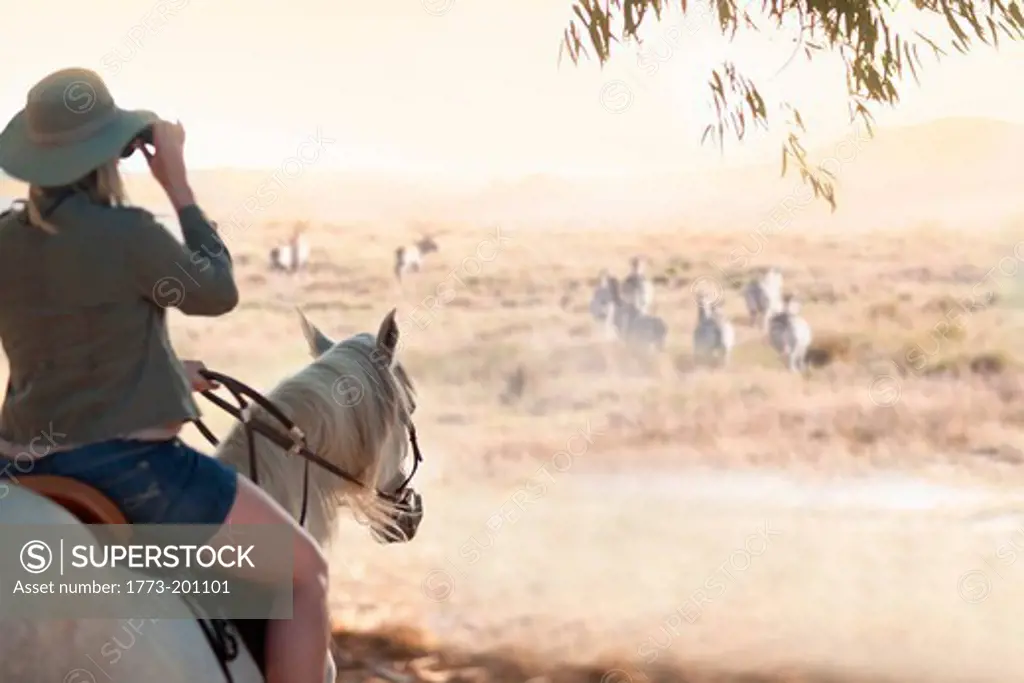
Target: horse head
(354,405)
(374,400)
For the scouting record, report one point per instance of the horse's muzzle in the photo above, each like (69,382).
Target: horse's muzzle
(408,515)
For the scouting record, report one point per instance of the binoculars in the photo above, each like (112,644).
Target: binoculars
(145,137)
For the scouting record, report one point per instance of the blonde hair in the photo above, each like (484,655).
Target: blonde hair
(103,186)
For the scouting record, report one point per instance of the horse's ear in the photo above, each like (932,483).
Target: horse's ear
(318,342)
(387,338)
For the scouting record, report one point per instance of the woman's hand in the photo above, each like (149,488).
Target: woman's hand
(198,382)
(167,162)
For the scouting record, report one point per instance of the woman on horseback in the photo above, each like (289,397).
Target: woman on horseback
(85,281)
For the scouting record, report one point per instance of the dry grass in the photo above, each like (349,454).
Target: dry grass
(503,345)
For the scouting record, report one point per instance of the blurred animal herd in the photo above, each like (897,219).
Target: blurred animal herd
(623,308)
(624,311)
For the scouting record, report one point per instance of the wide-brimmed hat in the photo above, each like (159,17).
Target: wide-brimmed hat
(69,127)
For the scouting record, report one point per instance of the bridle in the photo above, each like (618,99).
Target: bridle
(405,499)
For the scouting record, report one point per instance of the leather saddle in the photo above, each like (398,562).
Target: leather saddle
(90,506)
(83,501)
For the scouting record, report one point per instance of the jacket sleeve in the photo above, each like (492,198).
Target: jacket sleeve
(195,277)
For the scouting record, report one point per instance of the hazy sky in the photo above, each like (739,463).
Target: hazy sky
(472,85)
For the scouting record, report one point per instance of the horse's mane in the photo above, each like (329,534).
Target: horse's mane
(356,435)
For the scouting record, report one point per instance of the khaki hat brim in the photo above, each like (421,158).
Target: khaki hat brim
(57,165)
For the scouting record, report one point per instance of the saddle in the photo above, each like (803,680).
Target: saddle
(90,506)
(87,504)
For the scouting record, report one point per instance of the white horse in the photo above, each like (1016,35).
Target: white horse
(409,257)
(365,438)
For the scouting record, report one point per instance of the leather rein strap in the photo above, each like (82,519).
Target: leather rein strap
(295,440)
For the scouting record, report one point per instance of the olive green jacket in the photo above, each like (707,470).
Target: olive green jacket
(83,319)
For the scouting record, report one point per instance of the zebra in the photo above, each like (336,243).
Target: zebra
(714,336)
(637,289)
(632,326)
(293,256)
(601,301)
(790,335)
(409,257)
(763,296)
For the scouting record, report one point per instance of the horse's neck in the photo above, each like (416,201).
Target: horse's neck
(282,477)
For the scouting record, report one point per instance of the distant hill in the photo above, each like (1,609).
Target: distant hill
(951,141)
(957,170)
(953,171)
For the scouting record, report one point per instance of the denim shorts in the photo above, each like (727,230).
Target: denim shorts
(152,482)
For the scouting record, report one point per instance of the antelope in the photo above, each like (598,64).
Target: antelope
(714,336)
(635,328)
(636,288)
(292,256)
(790,335)
(409,257)
(763,296)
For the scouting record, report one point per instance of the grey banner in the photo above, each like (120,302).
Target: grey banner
(70,571)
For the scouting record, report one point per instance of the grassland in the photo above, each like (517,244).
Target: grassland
(914,361)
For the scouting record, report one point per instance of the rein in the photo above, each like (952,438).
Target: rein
(294,441)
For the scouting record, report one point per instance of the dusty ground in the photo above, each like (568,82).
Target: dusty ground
(403,657)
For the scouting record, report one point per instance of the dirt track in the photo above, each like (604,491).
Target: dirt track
(662,580)
(404,657)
